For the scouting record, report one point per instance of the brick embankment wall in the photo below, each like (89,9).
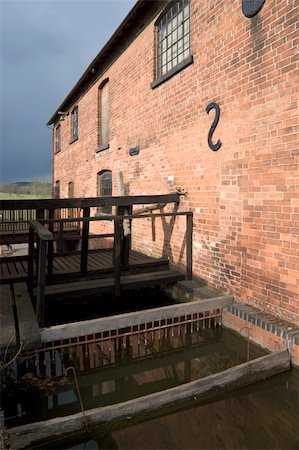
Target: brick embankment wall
(263,329)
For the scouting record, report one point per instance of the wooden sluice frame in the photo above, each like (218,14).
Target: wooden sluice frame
(89,350)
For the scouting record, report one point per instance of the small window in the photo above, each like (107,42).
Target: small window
(71,190)
(104,189)
(103,108)
(57,139)
(74,131)
(173,38)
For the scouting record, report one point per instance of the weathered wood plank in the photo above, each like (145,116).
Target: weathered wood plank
(28,326)
(154,404)
(84,243)
(117,257)
(7,323)
(100,325)
(88,202)
(92,287)
(41,282)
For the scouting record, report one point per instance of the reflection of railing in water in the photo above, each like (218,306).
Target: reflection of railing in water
(108,348)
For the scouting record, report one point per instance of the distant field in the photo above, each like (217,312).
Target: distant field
(13,196)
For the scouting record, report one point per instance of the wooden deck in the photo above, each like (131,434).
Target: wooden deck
(14,269)
(51,270)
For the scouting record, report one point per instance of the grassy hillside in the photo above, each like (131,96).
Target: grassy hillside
(15,196)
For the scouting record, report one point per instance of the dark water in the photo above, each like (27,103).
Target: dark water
(262,416)
(130,367)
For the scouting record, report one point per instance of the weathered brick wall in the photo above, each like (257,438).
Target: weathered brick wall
(244,196)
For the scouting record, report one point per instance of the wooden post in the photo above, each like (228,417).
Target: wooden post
(61,240)
(84,243)
(51,245)
(117,256)
(41,281)
(189,230)
(126,224)
(30,260)
(127,240)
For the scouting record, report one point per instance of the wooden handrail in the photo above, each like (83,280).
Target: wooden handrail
(42,232)
(88,202)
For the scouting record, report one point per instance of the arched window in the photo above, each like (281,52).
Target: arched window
(74,124)
(104,189)
(57,139)
(57,189)
(71,190)
(103,111)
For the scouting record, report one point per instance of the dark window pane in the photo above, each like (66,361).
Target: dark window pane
(171,29)
(105,189)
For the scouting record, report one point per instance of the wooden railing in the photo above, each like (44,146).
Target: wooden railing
(15,214)
(43,255)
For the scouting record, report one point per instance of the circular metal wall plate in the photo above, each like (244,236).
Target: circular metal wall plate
(250,8)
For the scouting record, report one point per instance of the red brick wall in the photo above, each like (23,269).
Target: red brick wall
(244,196)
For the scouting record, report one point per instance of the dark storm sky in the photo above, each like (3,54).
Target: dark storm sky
(45,47)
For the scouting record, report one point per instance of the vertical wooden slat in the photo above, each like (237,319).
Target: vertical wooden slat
(117,256)
(30,261)
(127,240)
(51,245)
(41,281)
(189,231)
(84,243)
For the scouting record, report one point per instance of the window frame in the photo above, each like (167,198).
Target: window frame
(101,188)
(103,144)
(57,189)
(169,15)
(74,124)
(57,142)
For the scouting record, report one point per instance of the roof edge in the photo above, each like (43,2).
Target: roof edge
(132,13)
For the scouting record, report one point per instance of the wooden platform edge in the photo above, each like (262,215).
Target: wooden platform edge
(207,388)
(28,326)
(8,341)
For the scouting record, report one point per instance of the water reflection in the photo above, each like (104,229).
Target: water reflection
(123,368)
(262,416)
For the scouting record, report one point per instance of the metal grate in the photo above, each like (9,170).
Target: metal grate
(110,347)
(173,35)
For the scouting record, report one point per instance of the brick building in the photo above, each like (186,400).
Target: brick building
(140,108)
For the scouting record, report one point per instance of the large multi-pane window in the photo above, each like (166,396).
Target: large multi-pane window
(74,130)
(104,187)
(173,37)
(57,138)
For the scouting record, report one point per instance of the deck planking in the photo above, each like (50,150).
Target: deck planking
(97,286)
(15,269)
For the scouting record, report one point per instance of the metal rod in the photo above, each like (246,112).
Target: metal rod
(79,395)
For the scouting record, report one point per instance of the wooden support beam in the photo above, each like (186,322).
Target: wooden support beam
(51,245)
(189,233)
(31,260)
(89,202)
(72,330)
(117,256)
(41,282)
(85,239)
